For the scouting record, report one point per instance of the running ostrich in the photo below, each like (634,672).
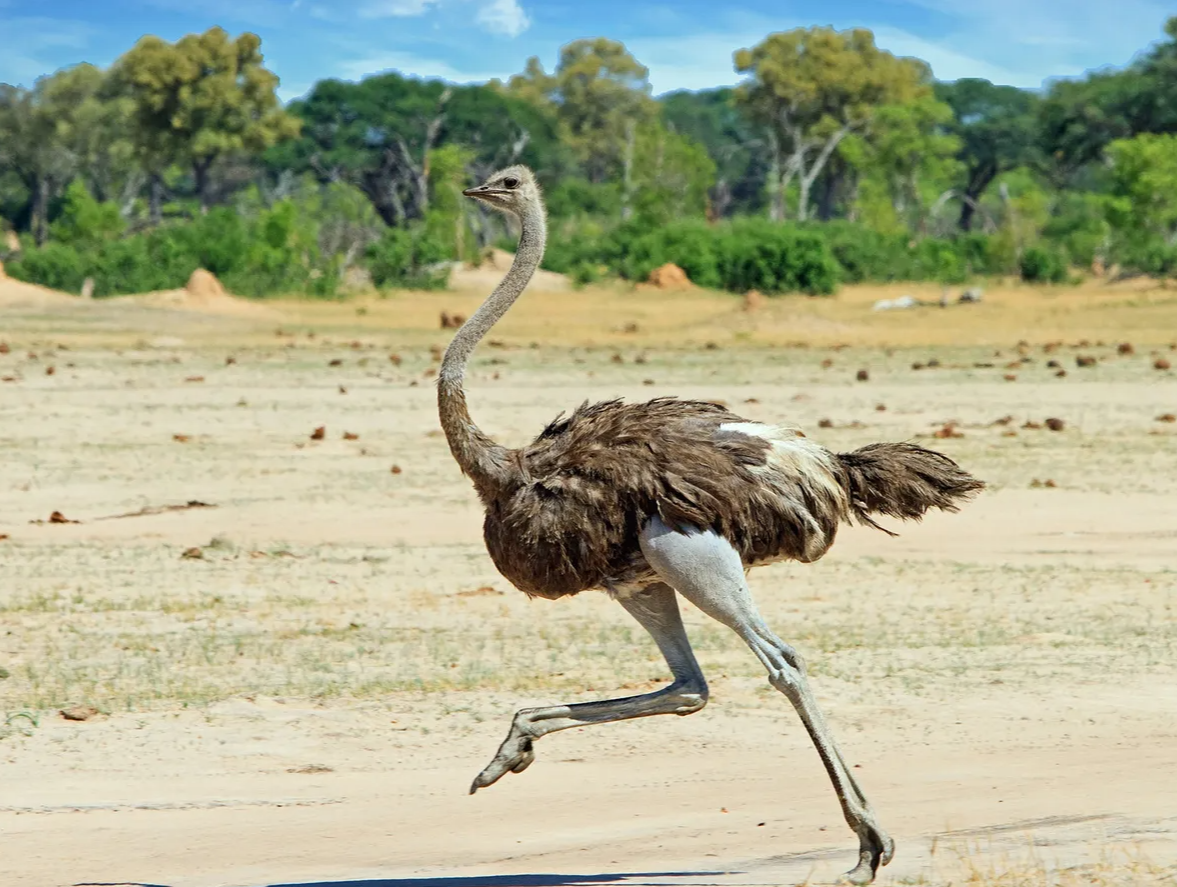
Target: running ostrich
(647,499)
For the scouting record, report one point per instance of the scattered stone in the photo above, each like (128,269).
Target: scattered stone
(319,433)
(1125,348)
(971,296)
(335,362)
(481,591)
(1161,364)
(451,321)
(181,438)
(900,304)
(79,712)
(863,376)
(948,430)
(58,518)
(395,359)
(1011,377)
(1167,417)
(1085,360)
(396,469)
(825,423)
(192,554)
(348,435)
(194,379)
(310,768)
(1056,424)
(1043,484)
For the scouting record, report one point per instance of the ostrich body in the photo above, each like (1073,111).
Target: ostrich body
(646,500)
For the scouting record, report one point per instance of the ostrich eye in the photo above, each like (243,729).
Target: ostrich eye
(511,182)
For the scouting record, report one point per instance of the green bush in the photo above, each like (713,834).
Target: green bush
(774,258)
(272,254)
(54,265)
(692,245)
(409,259)
(1148,255)
(1043,264)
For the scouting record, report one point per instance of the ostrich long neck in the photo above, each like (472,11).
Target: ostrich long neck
(486,462)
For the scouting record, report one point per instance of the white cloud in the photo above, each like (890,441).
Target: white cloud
(496,16)
(693,61)
(32,40)
(395,8)
(411,64)
(1039,39)
(948,64)
(503,17)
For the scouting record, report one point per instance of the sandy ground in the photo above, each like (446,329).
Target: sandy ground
(304,698)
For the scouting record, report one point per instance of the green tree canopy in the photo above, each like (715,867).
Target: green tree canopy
(600,94)
(996,128)
(810,88)
(379,134)
(204,97)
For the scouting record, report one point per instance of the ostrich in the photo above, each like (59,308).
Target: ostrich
(648,499)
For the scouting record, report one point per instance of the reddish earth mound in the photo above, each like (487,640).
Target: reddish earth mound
(669,277)
(204,285)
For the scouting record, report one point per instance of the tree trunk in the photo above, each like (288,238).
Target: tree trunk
(827,193)
(627,170)
(40,214)
(155,199)
(200,173)
(979,180)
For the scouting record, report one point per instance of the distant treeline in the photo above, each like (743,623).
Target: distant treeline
(832,161)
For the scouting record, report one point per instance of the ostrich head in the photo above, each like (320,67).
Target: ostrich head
(512,190)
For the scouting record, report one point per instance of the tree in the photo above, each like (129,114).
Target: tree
(600,94)
(671,176)
(94,127)
(202,98)
(380,133)
(37,139)
(1144,186)
(1079,118)
(812,87)
(909,155)
(712,118)
(996,126)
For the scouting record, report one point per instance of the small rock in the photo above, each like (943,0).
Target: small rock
(1161,364)
(1056,424)
(79,712)
(1125,348)
(192,554)
(319,433)
(863,376)
(1085,360)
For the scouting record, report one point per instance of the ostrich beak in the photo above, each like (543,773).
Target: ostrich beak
(483,191)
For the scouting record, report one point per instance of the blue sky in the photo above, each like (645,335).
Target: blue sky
(686,44)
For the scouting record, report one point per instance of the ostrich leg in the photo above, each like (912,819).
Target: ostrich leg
(707,571)
(656,610)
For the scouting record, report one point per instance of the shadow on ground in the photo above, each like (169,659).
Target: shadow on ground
(627,879)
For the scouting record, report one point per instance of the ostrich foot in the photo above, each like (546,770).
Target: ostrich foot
(875,849)
(514,756)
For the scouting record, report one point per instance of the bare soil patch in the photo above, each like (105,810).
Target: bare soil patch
(307,700)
